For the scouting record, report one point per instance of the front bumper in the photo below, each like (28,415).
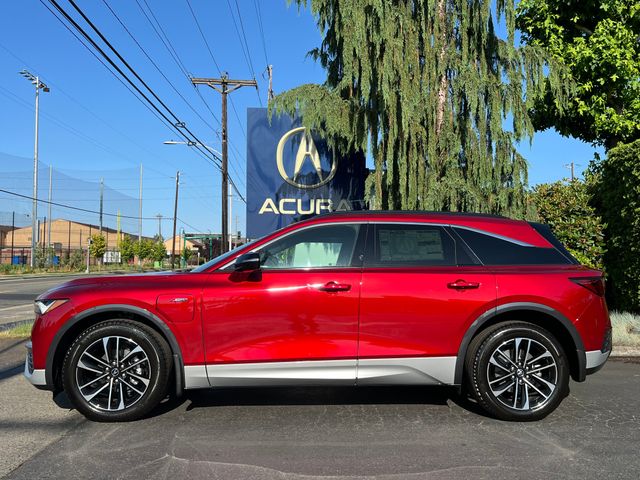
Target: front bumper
(37,377)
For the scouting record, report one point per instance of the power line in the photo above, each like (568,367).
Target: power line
(256,4)
(156,66)
(204,39)
(167,43)
(11,96)
(71,207)
(164,39)
(85,108)
(245,46)
(82,42)
(178,125)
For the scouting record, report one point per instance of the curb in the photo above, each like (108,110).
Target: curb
(10,325)
(621,352)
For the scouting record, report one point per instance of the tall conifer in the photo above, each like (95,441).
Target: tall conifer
(433,92)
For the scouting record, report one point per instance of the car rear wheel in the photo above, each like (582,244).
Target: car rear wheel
(517,371)
(117,370)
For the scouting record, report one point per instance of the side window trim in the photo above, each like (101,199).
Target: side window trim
(460,241)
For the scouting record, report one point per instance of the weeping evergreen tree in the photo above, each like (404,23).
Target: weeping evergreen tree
(435,95)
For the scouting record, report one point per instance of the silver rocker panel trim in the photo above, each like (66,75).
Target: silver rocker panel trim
(378,371)
(316,372)
(407,371)
(195,376)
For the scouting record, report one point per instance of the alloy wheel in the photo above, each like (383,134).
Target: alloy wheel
(113,373)
(522,374)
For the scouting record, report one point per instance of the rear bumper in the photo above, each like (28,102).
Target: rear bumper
(595,360)
(36,377)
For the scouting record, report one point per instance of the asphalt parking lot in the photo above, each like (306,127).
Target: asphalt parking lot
(387,433)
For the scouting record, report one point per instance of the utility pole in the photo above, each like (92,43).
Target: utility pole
(571,166)
(159,217)
(270,75)
(101,201)
(49,259)
(230,219)
(224,86)
(13,230)
(34,209)
(140,217)
(175,218)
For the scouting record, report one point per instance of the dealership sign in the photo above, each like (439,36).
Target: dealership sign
(293,174)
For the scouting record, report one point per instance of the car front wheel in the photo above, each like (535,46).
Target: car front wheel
(117,370)
(517,371)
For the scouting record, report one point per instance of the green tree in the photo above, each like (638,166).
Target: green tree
(144,249)
(186,254)
(598,42)
(427,86)
(566,208)
(127,249)
(617,197)
(98,246)
(158,252)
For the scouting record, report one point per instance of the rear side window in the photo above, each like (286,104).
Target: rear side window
(492,250)
(411,245)
(546,232)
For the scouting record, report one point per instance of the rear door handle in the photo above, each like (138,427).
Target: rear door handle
(463,285)
(332,287)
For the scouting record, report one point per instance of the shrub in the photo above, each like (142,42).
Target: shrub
(566,208)
(98,246)
(617,196)
(76,260)
(127,249)
(158,252)
(144,249)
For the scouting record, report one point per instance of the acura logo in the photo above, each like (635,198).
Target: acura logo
(306,149)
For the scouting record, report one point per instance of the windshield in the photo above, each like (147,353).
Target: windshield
(224,256)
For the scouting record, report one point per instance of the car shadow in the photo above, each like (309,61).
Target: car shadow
(292,396)
(312,396)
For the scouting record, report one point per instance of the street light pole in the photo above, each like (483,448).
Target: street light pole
(34,209)
(175,218)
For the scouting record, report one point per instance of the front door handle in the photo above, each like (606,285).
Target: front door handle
(332,287)
(463,285)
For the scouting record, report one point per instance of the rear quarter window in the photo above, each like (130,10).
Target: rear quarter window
(492,250)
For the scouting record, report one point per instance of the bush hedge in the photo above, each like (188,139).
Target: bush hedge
(617,197)
(567,209)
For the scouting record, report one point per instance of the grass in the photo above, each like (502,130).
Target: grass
(19,331)
(626,329)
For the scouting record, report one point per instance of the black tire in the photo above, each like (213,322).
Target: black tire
(125,391)
(526,385)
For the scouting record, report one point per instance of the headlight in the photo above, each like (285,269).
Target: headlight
(43,306)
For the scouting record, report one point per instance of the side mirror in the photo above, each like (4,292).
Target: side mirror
(247,262)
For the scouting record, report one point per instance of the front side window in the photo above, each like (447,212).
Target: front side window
(411,245)
(314,247)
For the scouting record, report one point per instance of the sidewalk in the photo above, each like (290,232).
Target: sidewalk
(30,420)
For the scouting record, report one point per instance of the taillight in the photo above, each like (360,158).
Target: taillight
(594,284)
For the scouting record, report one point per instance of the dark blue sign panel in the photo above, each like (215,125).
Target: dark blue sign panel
(292,174)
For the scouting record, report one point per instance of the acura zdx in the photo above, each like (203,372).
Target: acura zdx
(495,306)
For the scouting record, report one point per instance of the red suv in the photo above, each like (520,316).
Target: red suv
(497,306)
